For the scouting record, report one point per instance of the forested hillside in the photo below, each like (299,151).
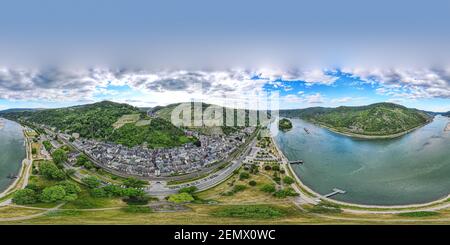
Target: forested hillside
(97,120)
(376,119)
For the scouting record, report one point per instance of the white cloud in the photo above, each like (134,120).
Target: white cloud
(407,83)
(314,98)
(310,77)
(341,100)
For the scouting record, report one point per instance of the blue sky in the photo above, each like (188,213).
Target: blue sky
(57,53)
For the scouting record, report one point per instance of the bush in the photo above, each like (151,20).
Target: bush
(288,180)
(181,198)
(277,179)
(137,209)
(113,190)
(238,188)
(419,214)
(98,193)
(325,208)
(285,193)
(244,175)
(267,168)
(276,168)
(189,190)
(134,183)
(70,172)
(25,196)
(252,183)
(269,188)
(34,187)
(250,212)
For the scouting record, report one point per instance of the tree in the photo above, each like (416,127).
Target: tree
(244,175)
(91,182)
(70,187)
(50,171)
(113,190)
(134,182)
(252,183)
(132,193)
(268,188)
(25,196)
(53,194)
(83,160)
(181,198)
(33,151)
(70,172)
(59,157)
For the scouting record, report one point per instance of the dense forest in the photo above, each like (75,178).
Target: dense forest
(376,119)
(96,121)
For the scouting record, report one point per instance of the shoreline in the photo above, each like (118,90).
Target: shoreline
(363,136)
(22,171)
(355,207)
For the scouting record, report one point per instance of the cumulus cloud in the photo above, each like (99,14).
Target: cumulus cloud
(316,98)
(310,76)
(48,84)
(406,83)
(341,100)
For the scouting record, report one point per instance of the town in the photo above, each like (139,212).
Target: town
(144,162)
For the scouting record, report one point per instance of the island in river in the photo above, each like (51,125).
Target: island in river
(284,124)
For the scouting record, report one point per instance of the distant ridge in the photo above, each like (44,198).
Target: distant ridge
(19,110)
(96,121)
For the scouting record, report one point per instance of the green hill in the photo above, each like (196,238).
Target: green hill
(447,114)
(165,112)
(381,119)
(107,121)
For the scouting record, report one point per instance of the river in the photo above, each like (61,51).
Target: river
(12,151)
(411,169)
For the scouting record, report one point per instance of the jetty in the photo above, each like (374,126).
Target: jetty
(11,176)
(296,162)
(335,192)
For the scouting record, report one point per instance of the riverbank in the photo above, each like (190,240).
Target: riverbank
(363,136)
(313,197)
(22,177)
